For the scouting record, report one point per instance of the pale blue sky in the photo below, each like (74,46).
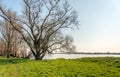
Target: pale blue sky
(99,24)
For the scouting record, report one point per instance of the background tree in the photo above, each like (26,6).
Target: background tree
(23,51)
(42,23)
(10,38)
(1,48)
(7,35)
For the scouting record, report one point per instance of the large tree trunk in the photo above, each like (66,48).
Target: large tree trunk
(39,56)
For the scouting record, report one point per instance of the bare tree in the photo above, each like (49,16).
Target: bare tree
(42,22)
(16,45)
(9,37)
(1,48)
(23,51)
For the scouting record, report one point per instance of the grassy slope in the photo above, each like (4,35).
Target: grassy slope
(85,67)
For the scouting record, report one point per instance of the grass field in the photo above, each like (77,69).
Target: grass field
(85,67)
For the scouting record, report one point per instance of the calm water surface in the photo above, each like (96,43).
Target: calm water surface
(74,56)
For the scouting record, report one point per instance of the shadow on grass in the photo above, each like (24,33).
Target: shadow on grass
(12,61)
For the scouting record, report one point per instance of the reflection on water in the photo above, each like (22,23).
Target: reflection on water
(74,56)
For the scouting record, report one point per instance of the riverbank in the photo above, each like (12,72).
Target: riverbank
(84,67)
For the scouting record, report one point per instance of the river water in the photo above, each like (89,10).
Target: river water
(74,56)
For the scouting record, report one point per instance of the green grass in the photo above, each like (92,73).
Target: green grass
(85,67)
